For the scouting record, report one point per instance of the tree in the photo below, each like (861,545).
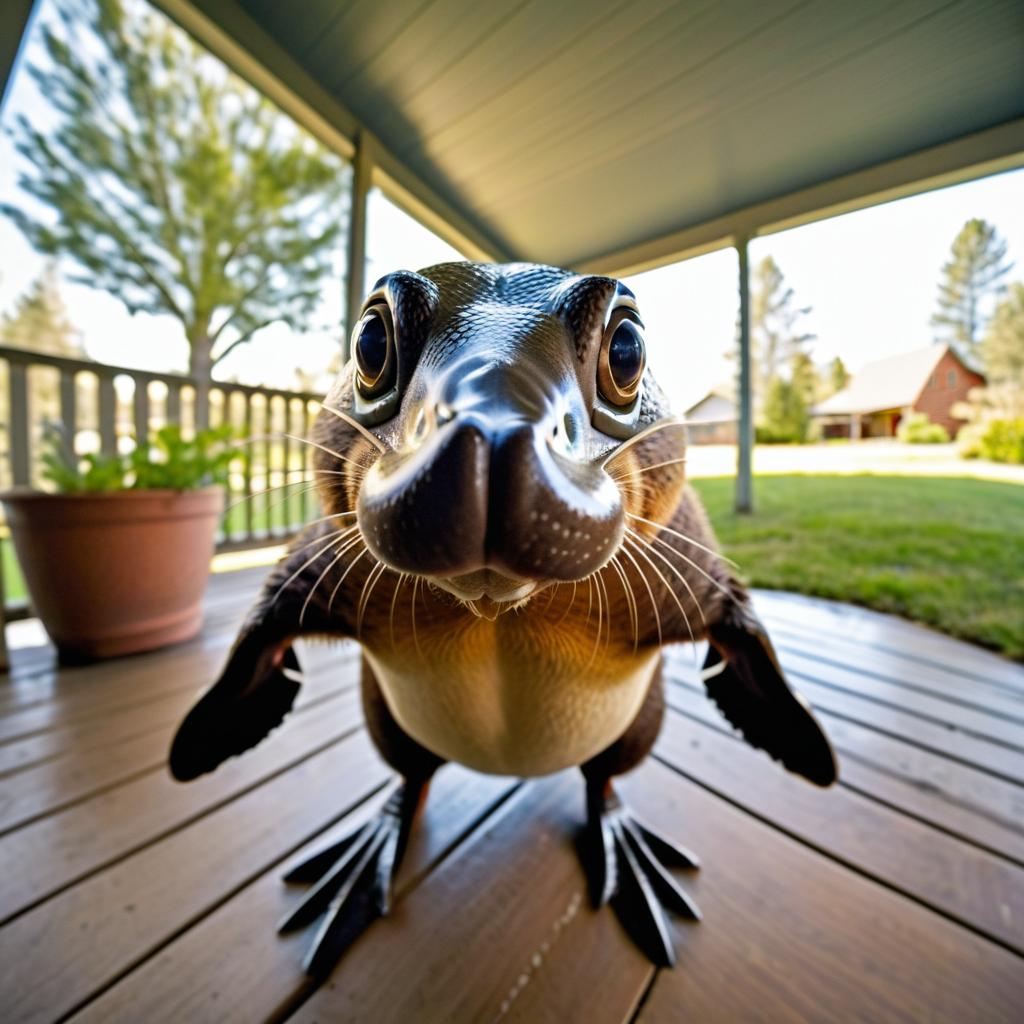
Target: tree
(838,375)
(1003,353)
(784,413)
(775,340)
(173,185)
(977,263)
(39,320)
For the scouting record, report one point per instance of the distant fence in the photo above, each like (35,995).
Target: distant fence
(104,408)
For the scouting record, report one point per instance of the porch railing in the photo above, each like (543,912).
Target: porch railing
(105,408)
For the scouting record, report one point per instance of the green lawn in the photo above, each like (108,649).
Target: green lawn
(944,551)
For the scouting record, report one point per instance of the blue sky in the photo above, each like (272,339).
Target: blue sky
(870,278)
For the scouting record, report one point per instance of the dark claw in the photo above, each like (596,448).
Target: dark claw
(668,852)
(313,869)
(354,880)
(665,886)
(625,862)
(639,910)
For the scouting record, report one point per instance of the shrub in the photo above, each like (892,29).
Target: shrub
(1003,441)
(168,462)
(918,429)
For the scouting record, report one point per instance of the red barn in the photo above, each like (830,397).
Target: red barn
(929,380)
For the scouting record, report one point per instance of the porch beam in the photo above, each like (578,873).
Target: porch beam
(978,155)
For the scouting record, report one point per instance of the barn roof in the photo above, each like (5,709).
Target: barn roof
(892,383)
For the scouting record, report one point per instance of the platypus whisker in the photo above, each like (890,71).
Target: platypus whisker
(364,598)
(335,539)
(346,547)
(682,579)
(637,438)
(355,424)
(603,587)
(647,469)
(600,608)
(650,592)
(325,449)
(682,537)
(639,546)
(348,569)
(412,608)
(267,490)
(402,577)
(689,561)
(627,589)
(569,606)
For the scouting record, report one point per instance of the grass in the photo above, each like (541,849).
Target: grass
(948,552)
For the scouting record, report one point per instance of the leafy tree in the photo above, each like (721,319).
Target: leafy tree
(775,339)
(39,320)
(838,375)
(173,185)
(1003,352)
(977,263)
(784,413)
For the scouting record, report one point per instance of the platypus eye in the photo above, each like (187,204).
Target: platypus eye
(623,357)
(373,347)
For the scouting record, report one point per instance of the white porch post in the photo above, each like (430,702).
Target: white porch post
(744,482)
(355,284)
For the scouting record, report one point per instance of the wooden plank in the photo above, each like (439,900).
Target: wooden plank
(892,634)
(960,881)
(513,895)
(226,986)
(1005,730)
(115,919)
(895,722)
(90,733)
(56,851)
(60,783)
(978,807)
(791,935)
(977,694)
(61,694)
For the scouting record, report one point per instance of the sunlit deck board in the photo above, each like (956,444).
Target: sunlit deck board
(898,895)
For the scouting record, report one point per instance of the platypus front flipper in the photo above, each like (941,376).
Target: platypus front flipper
(255,691)
(743,677)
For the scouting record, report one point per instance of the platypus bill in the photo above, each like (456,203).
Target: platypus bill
(509,535)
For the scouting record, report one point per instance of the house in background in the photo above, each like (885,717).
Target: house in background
(929,380)
(714,419)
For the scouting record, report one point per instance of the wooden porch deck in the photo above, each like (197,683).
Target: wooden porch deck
(898,895)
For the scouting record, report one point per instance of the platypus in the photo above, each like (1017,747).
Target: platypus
(509,534)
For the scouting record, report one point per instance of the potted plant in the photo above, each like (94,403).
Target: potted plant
(116,561)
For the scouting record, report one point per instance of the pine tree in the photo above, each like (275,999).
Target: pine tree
(175,186)
(1003,353)
(972,273)
(39,320)
(775,340)
(838,375)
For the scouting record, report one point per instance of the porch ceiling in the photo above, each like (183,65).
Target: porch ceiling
(562,131)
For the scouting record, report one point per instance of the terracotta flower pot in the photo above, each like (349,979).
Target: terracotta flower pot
(115,573)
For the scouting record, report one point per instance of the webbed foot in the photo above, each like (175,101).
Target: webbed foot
(626,864)
(353,879)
